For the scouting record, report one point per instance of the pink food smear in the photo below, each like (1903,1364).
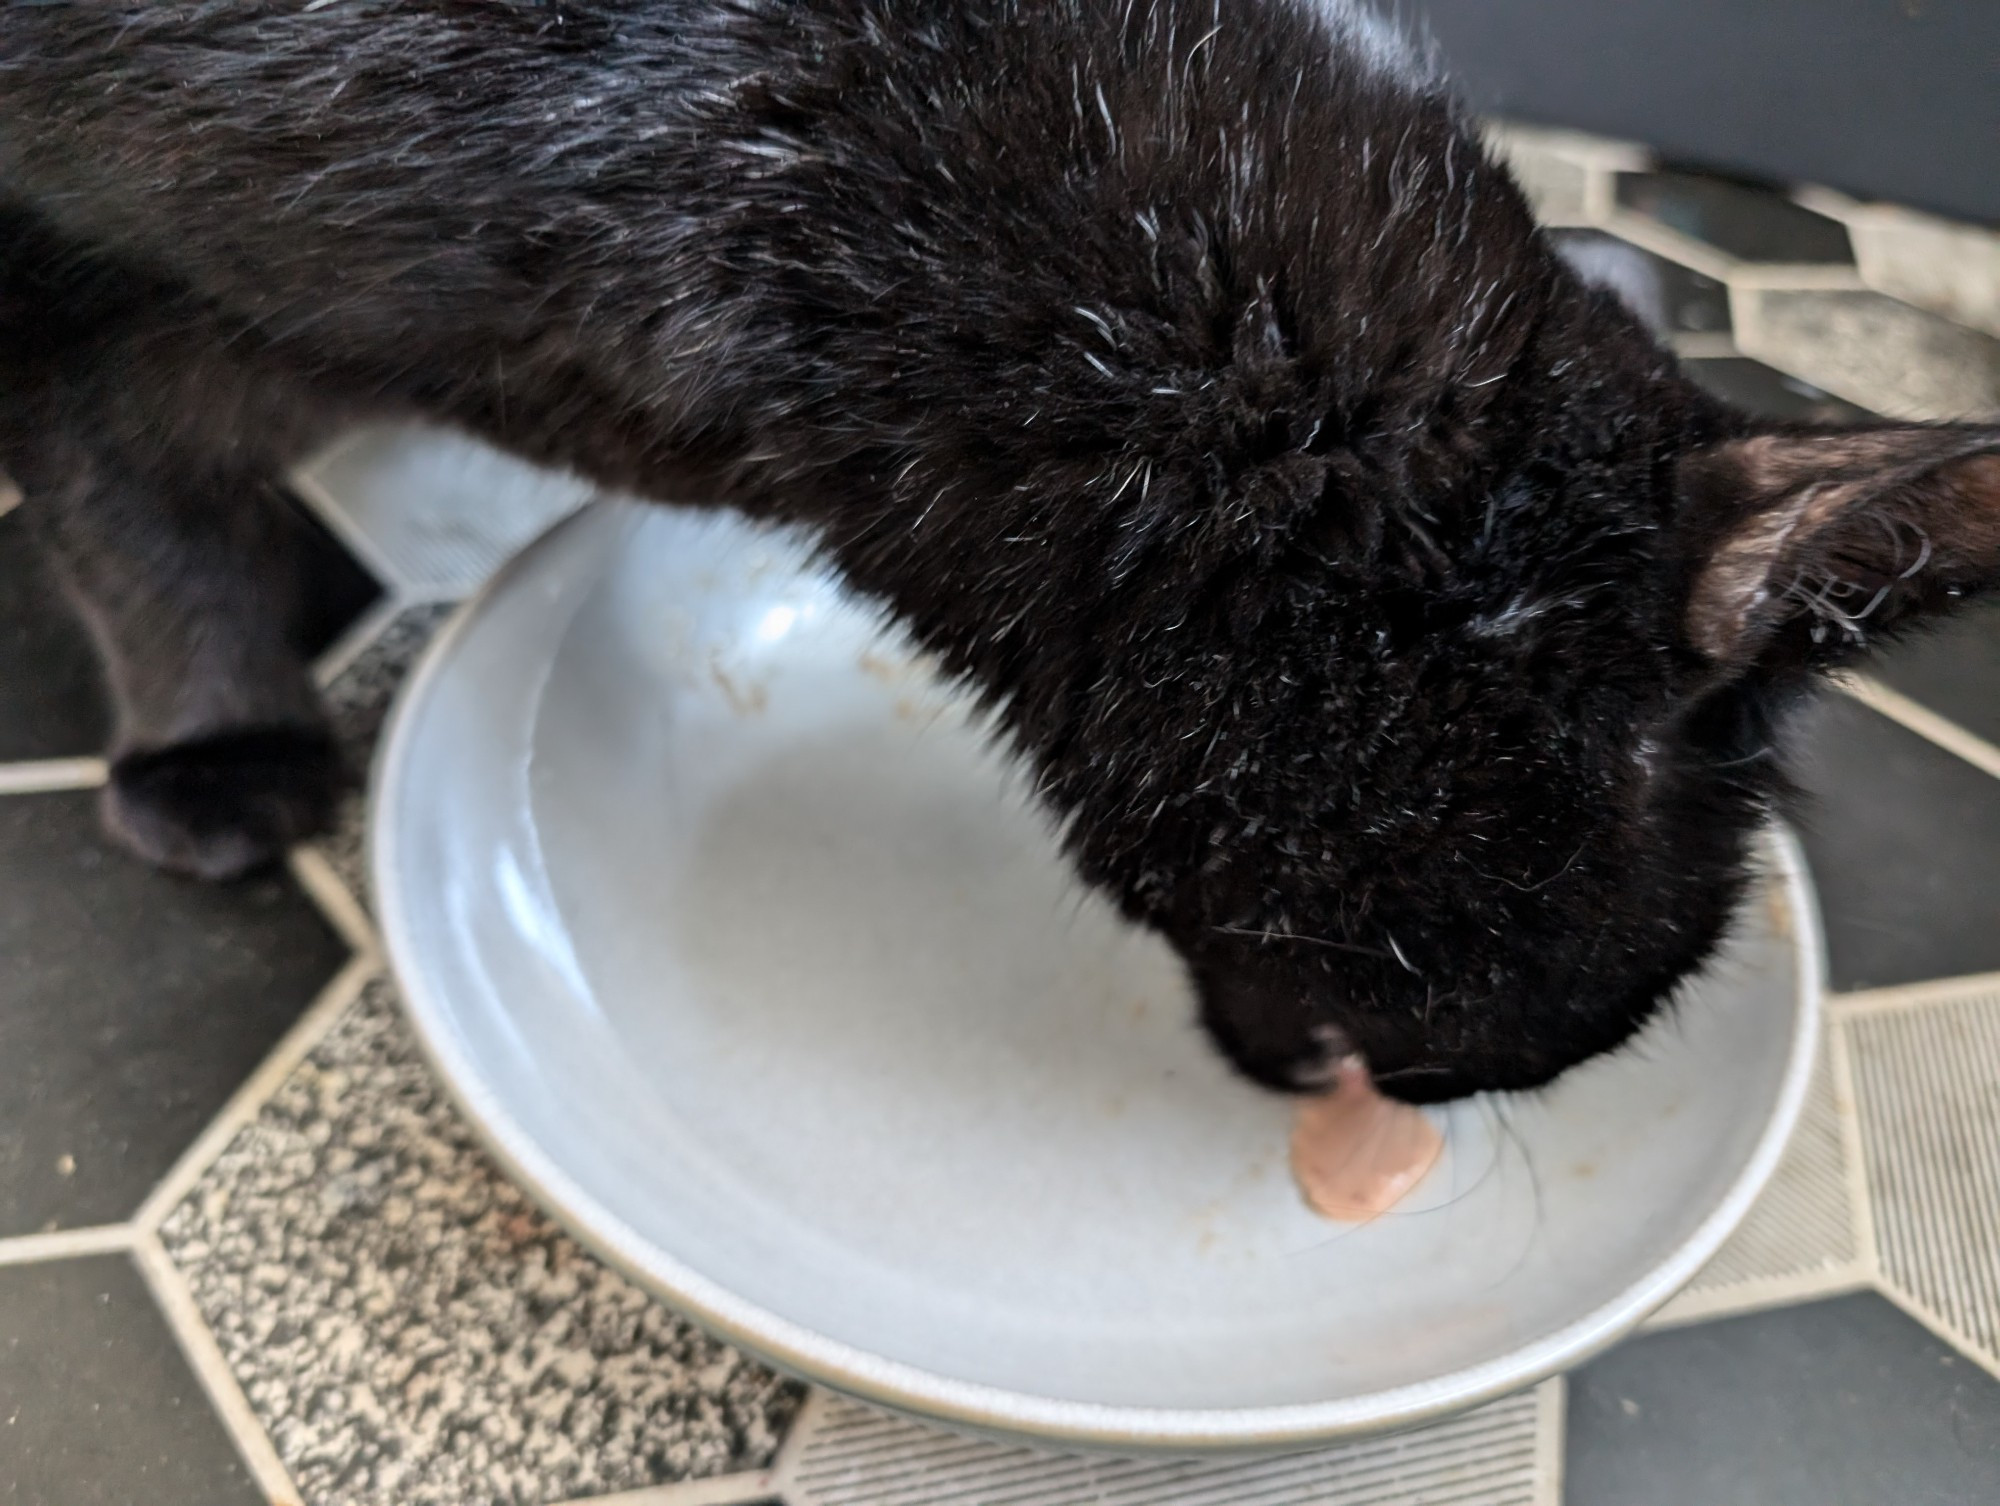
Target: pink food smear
(1356,1154)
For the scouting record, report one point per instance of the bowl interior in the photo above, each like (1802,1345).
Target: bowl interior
(747,951)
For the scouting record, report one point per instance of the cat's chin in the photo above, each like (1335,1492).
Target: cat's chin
(1281,1048)
(228,805)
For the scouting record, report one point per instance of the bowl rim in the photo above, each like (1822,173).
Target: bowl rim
(795,1348)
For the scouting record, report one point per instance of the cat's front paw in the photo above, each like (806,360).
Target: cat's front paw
(225,805)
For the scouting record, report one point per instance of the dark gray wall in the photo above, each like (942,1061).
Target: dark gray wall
(1895,99)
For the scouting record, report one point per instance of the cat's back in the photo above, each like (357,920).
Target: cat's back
(1109,200)
(1131,216)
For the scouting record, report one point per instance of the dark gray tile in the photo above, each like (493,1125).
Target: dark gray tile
(1744,220)
(1884,99)
(1904,841)
(1839,1403)
(1955,671)
(131,1005)
(51,701)
(1670,298)
(97,1407)
(338,589)
(1771,393)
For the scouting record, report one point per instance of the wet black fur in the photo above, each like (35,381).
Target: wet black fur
(1389,622)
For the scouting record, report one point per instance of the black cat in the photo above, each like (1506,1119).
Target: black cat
(1390,623)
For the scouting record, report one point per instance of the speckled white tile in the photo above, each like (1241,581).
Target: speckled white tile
(412,1332)
(358,698)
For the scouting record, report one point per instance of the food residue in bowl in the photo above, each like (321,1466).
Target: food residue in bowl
(1356,1154)
(744,699)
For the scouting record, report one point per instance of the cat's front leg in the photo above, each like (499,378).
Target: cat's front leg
(221,757)
(149,448)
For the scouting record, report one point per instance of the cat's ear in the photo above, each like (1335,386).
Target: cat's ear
(1805,543)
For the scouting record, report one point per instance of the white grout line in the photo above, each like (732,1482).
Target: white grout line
(353,643)
(1825,201)
(306,486)
(1940,1330)
(342,910)
(1797,277)
(205,1358)
(723,1490)
(1573,148)
(1551,1417)
(803,1427)
(1649,234)
(1853,1149)
(243,1106)
(433,594)
(48,775)
(1903,996)
(1761,1294)
(62,1244)
(1600,192)
(1703,346)
(1584,220)
(1921,720)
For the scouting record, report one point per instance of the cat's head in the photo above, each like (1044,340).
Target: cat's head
(1386,618)
(1526,798)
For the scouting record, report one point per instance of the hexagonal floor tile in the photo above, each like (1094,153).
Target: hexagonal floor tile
(414,1333)
(97,1407)
(851,1455)
(1749,222)
(1764,390)
(1948,268)
(1846,1402)
(1954,671)
(1874,351)
(1904,842)
(1668,297)
(1557,187)
(1927,1085)
(136,1003)
(431,512)
(1566,175)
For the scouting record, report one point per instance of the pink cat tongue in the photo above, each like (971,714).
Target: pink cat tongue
(1355,1154)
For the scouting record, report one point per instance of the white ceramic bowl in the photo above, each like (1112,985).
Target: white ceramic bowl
(749,957)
